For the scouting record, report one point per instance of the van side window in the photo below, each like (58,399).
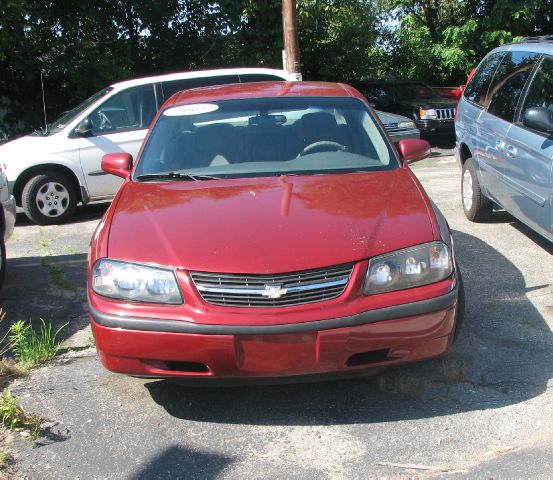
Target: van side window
(131,109)
(540,93)
(478,86)
(508,83)
(173,86)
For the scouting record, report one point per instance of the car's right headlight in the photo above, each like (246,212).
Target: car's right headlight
(408,268)
(136,282)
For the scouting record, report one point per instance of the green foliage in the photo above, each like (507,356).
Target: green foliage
(31,347)
(440,41)
(80,47)
(13,416)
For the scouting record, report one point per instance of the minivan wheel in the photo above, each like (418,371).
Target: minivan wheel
(49,198)
(475,205)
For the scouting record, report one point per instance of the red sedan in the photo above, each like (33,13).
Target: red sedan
(270,230)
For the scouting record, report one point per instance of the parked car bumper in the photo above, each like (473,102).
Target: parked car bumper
(9,216)
(404,135)
(162,348)
(436,126)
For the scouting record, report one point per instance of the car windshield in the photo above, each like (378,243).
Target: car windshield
(264,137)
(68,116)
(414,90)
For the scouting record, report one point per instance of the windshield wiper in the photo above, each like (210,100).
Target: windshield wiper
(175,176)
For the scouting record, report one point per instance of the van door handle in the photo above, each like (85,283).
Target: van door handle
(510,151)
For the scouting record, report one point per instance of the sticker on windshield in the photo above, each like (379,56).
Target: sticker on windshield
(195,109)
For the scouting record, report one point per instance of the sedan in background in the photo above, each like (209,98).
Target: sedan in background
(398,126)
(270,232)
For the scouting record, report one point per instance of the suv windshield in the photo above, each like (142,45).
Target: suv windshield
(414,90)
(264,137)
(68,116)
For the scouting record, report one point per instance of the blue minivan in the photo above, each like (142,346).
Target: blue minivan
(504,135)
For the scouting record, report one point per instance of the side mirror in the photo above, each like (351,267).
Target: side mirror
(413,150)
(84,128)
(119,164)
(538,118)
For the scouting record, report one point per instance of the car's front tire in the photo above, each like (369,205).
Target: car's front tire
(49,198)
(476,206)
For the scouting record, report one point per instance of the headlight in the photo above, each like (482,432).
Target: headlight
(406,124)
(411,267)
(427,114)
(132,281)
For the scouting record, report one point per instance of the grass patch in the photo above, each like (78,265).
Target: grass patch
(13,416)
(6,459)
(57,276)
(32,347)
(10,370)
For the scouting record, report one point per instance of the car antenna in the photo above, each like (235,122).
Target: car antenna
(43,102)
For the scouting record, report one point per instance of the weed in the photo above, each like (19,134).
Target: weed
(31,347)
(453,370)
(13,416)
(44,243)
(57,277)
(6,459)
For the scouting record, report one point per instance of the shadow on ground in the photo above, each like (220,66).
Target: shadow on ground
(177,462)
(504,355)
(83,213)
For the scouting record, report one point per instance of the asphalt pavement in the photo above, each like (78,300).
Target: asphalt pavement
(484,410)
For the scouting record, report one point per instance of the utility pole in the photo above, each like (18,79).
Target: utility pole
(291,52)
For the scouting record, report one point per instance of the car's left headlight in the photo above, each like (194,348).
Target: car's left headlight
(427,113)
(136,282)
(406,124)
(407,268)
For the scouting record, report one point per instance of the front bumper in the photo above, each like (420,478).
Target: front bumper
(436,126)
(9,216)
(404,135)
(205,353)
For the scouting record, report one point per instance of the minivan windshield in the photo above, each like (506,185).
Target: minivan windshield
(264,137)
(68,116)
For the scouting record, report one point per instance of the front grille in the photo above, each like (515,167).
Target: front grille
(393,127)
(445,113)
(276,290)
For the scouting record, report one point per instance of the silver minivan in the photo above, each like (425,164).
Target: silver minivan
(504,132)
(49,172)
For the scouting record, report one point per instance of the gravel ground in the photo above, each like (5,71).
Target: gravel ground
(482,411)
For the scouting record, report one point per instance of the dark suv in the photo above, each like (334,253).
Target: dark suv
(431,112)
(504,131)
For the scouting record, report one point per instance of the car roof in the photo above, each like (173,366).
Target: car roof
(262,90)
(542,44)
(201,74)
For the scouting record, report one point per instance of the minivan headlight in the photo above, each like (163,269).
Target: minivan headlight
(407,268)
(136,282)
(427,114)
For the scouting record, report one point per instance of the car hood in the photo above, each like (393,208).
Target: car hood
(30,146)
(387,117)
(438,102)
(269,225)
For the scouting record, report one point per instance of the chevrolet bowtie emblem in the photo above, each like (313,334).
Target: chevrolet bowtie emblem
(274,291)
